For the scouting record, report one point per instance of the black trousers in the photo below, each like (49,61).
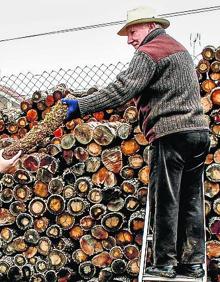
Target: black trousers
(176,190)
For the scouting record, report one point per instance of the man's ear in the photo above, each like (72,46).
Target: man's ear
(152,26)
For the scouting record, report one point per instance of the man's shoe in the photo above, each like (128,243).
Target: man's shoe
(191,270)
(163,271)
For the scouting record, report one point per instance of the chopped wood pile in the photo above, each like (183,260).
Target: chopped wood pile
(208,70)
(72,208)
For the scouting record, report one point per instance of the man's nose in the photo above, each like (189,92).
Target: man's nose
(129,40)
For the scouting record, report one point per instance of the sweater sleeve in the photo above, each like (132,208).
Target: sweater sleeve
(126,86)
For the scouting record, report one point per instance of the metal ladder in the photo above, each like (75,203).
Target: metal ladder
(147,237)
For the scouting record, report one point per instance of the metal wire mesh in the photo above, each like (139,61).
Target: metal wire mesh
(15,88)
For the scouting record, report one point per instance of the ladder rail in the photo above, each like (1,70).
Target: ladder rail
(146,237)
(144,241)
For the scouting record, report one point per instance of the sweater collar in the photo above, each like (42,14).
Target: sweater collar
(152,35)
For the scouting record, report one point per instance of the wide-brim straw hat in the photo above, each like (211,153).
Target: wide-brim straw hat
(142,14)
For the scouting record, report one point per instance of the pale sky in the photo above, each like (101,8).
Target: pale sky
(88,47)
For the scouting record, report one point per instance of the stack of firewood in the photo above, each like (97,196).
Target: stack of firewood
(72,208)
(208,70)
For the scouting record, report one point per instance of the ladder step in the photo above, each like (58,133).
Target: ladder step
(150,237)
(176,279)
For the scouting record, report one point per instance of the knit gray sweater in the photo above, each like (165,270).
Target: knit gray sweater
(162,80)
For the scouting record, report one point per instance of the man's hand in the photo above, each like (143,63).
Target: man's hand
(73,108)
(5,164)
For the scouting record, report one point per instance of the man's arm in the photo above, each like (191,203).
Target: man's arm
(127,85)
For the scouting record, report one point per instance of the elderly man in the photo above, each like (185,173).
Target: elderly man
(162,81)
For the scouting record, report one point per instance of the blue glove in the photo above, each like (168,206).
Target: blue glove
(73,108)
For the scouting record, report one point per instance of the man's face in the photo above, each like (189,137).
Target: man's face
(137,33)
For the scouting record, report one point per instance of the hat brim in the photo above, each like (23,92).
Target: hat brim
(164,23)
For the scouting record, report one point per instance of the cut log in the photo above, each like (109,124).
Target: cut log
(105,275)
(12,128)
(81,154)
(135,161)
(136,221)
(87,222)
(99,232)
(57,259)
(208,52)
(68,156)
(119,266)
(209,159)
(131,114)
(102,260)
(37,207)
(215,76)
(214,226)
(124,130)
(203,66)
(65,220)
(67,141)
(112,159)
(207,103)
(79,256)
(116,252)
(104,134)
(213,172)
(133,267)
(26,105)
(94,149)
(215,66)
(213,249)
(142,195)
(78,169)
(116,205)
(55,204)
(113,222)
(208,207)
(130,186)
(109,243)
(132,203)
(211,188)
(93,164)
(83,185)
(215,96)
(97,211)
(83,133)
(104,176)
(124,237)
(56,185)
(76,232)
(77,205)
(141,139)
(217,54)
(144,175)
(216,206)
(216,156)
(87,270)
(90,245)
(208,85)
(95,196)
(41,224)
(129,147)
(131,252)
(44,246)
(127,172)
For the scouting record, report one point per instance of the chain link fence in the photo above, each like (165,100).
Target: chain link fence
(15,88)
